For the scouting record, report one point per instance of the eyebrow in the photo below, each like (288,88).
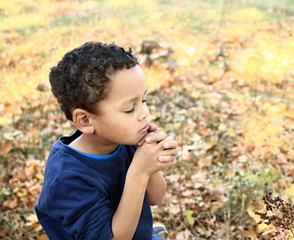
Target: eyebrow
(132,99)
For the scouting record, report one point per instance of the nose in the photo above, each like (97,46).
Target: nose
(144,112)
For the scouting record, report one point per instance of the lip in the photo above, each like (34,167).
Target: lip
(145,128)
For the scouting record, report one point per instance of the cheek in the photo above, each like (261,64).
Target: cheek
(123,123)
(128,124)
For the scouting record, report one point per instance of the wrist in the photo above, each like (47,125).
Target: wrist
(137,176)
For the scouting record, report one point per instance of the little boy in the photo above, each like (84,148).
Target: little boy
(100,182)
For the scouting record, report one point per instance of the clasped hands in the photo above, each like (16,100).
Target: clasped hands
(168,143)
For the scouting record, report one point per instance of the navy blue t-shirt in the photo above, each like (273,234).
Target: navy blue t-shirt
(81,193)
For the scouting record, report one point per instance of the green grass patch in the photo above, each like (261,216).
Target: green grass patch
(27,32)
(2,14)
(68,20)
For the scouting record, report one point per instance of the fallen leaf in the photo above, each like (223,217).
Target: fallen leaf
(250,233)
(42,237)
(3,230)
(174,209)
(185,235)
(209,145)
(204,162)
(189,217)
(31,219)
(288,193)
(10,203)
(6,147)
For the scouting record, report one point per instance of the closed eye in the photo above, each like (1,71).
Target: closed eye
(130,111)
(144,101)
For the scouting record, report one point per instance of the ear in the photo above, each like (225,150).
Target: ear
(81,120)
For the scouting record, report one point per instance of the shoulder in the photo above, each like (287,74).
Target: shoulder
(65,166)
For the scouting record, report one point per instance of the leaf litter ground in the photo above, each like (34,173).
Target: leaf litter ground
(226,96)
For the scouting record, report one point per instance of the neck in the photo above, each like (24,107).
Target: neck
(89,144)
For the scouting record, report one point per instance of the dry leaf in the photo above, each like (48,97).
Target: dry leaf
(42,237)
(185,235)
(250,233)
(204,162)
(6,147)
(3,230)
(174,209)
(10,203)
(189,217)
(288,193)
(210,145)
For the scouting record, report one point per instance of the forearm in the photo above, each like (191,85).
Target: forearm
(156,188)
(126,218)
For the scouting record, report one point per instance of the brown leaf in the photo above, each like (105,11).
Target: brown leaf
(10,203)
(3,230)
(250,233)
(6,147)
(204,162)
(204,131)
(42,237)
(174,210)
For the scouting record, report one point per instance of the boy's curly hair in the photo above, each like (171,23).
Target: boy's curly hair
(81,78)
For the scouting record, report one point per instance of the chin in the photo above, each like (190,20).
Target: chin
(135,141)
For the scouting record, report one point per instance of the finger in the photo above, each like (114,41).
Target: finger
(169,143)
(156,136)
(166,159)
(169,152)
(152,128)
(140,143)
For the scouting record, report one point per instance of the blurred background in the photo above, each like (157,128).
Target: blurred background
(221,80)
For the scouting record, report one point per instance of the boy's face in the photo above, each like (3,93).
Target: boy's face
(123,116)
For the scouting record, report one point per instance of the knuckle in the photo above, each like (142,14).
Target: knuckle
(163,133)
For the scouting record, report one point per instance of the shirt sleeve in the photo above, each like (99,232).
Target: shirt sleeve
(85,212)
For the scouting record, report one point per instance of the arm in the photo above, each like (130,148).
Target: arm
(157,185)
(126,218)
(145,163)
(156,188)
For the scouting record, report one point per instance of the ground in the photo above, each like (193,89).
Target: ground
(220,79)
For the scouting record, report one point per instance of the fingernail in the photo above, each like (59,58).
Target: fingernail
(166,145)
(161,158)
(148,139)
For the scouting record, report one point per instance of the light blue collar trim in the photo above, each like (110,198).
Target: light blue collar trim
(106,156)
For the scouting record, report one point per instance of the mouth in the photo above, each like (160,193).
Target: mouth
(144,129)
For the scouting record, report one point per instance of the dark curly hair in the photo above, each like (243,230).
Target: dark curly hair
(81,78)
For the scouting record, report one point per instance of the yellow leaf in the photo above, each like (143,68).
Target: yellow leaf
(265,229)
(189,217)
(289,193)
(209,145)
(250,233)
(31,219)
(252,208)
(246,14)
(22,193)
